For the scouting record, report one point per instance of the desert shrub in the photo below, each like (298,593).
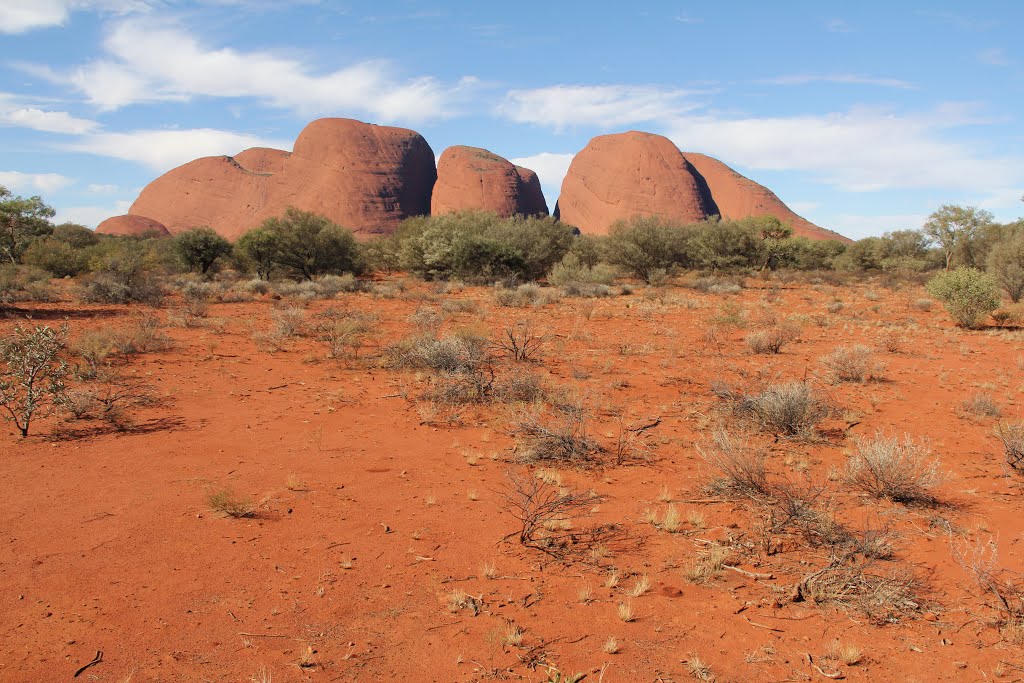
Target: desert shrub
(556,437)
(772,340)
(144,336)
(329,286)
(32,377)
(1006,264)
(94,348)
(791,409)
(807,254)
(548,517)
(74,235)
(980,404)
(521,342)
(519,386)
(969,295)
(343,330)
(741,465)
(854,363)
(199,248)
(308,245)
(426,320)
(123,275)
(1012,436)
(109,399)
(24,283)
(572,271)
(923,305)
(462,352)
(257,250)
(481,246)
(58,258)
(520,297)
(383,254)
(227,502)
(886,467)
(648,248)
(727,245)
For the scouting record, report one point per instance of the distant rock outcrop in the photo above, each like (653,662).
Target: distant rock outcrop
(132,226)
(627,174)
(370,178)
(367,178)
(737,196)
(474,179)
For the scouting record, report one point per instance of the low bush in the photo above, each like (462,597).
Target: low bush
(969,295)
(903,471)
(854,363)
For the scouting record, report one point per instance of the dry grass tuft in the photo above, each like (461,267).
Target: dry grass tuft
(901,471)
(855,363)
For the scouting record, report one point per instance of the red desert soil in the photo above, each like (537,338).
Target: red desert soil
(110,544)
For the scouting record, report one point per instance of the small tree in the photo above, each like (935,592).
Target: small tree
(21,220)
(951,225)
(32,378)
(259,247)
(311,245)
(969,295)
(199,248)
(1006,264)
(647,247)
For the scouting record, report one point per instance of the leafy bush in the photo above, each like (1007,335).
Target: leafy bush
(969,295)
(23,283)
(58,258)
(123,275)
(308,245)
(647,247)
(32,379)
(1006,264)
(257,250)
(199,248)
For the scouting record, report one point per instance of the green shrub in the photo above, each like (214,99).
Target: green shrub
(969,295)
(75,235)
(123,275)
(1006,264)
(647,247)
(309,245)
(56,257)
(257,251)
(23,283)
(199,248)
(32,378)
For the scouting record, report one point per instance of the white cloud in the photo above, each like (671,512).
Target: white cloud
(91,216)
(860,150)
(162,150)
(136,69)
(602,106)
(19,16)
(46,121)
(43,183)
(96,188)
(803,208)
(843,79)
(550,169)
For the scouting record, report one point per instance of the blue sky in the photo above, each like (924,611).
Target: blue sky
(863,117)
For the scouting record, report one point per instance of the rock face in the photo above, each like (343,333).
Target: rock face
(474,179)
(367,178)
(619,176)
(132,226)
(737,196)
(627,174)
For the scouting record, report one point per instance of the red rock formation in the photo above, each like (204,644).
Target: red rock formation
(262,160)
(132,226)
(474,179)
(627,174)
(737,196)
(367,178)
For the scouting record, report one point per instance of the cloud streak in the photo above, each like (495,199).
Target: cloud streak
(43,183)
(135,70)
